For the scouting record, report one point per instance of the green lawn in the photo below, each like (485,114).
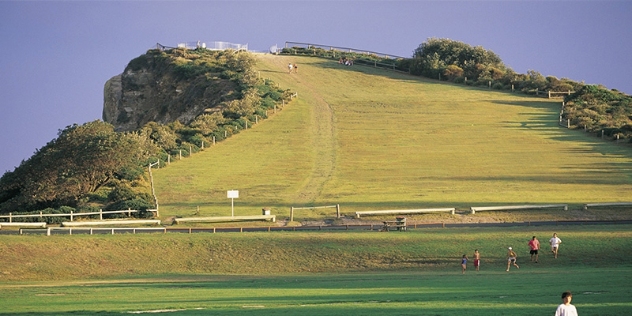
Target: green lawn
(528,291)
(366,138)
(317,273)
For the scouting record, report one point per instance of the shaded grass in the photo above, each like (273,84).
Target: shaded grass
(367,139)
(259,253)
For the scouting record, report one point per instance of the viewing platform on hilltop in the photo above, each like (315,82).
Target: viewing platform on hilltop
(207,45)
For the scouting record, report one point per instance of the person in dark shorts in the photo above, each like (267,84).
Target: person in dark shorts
(534,245)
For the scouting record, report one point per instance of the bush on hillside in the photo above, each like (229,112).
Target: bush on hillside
(596,109)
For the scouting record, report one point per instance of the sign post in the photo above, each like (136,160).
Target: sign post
(232,195)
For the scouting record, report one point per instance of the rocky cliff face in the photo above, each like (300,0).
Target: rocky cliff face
(153,90)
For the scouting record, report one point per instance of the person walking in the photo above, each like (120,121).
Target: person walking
(511,259)
(555,244)
(477,259)
(566,308)
(463,264)
(295,69)
(534,245)
(289,67)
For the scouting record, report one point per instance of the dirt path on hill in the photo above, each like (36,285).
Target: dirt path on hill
(321,125)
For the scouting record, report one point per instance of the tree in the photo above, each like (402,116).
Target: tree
(82,159)
(244,106)
(452,72)
(435,55)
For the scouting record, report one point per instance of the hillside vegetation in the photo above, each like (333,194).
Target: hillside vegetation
(200,96)
(357,135)
(367,138)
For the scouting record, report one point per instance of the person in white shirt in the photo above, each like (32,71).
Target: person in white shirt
(566,308)
(555,244)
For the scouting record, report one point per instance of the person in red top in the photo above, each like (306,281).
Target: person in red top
(534,244)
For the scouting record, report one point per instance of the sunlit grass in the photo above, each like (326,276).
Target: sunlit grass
(316,273)
(526,292)
(371,139)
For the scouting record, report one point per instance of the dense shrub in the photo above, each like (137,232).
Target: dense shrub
(133,204)
(596,109)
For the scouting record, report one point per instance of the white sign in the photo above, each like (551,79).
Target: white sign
(232,195)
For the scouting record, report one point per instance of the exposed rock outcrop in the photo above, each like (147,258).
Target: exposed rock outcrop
(152,89)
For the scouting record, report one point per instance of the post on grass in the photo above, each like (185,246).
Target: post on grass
(232,195)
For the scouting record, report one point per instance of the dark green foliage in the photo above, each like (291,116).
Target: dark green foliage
(80,161)
(432,58)
(189,70)
(121,193)
(596,109)
(267,103)
(100,196)
(137,63)
(134,204)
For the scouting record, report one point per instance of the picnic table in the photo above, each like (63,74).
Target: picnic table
(398,224)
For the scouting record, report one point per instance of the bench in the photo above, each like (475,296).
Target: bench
(398,224)
(220,219)
(19,224)
(405,212)
(112,222)
(516,207)
(607,204)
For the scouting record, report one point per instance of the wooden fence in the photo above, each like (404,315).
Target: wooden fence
(72,214)
(553,94)
(292,209)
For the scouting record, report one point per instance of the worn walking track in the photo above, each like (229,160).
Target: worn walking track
(322,120)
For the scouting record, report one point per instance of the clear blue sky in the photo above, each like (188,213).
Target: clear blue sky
(57,55)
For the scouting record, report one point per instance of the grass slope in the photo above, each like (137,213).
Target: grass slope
(366,138)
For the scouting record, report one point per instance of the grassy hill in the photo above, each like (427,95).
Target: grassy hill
(371,139)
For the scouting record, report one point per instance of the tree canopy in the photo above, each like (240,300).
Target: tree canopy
(82,159)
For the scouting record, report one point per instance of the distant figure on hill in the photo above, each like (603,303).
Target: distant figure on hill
(511,259)
(555,244)
(477,259)
(295,69)
(534,245)
(463,264)
(289,68)
(566,308)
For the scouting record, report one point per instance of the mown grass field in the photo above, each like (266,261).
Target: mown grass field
(370,139)
(318,273)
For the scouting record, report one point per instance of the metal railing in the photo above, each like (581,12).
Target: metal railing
(213,45)
(343,49)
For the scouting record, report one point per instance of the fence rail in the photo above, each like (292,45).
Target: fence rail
(72,214)
(553,94)
(292,209)
(371,227)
